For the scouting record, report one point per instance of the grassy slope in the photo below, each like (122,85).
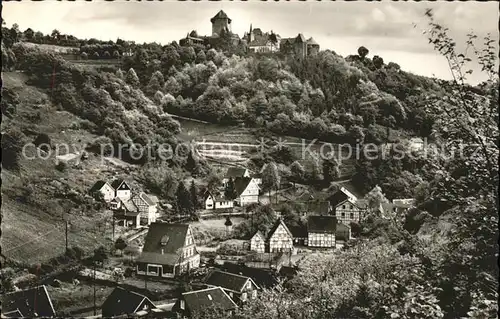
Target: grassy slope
(32,233)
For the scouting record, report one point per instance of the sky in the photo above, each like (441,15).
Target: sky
(392,30)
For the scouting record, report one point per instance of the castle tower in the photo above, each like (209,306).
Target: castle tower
(252,36)
(220,22)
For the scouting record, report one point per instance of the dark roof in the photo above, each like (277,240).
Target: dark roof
(200,300)
(311,41)
(97,186)
(226,280)
(122,301)
(301,38)
(117,182)
(298,231)
(235,172)
(173,237)
(262,277)
(275,226)
(34,302)
(321,224)
(240,184)
(337,198)
(319,207)
(220,15)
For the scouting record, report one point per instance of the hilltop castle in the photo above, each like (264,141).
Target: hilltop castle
(255,40)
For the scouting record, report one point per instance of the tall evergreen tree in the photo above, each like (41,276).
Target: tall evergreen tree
(184,203)
(191,162)
(194,195)
(230,191)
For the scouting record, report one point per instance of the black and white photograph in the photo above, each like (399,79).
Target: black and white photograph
(250,159)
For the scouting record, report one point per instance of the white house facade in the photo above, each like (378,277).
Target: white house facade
(258,243)
(280,238)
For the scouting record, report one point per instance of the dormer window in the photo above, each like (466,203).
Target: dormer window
(164,240)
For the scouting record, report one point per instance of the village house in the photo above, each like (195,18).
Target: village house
(217,202)
(103,188)
(140,209)
(260,42)
(321,231)
(147,206)
(299,46)
(125,302)
(126,212)
(247,191)
(234,172)
(29,303)
(122,189)
(299,235)
(258,242)
(169,250)
(239,288)
(347,207)
(194,303)
(280,239)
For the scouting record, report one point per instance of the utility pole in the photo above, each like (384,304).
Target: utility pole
(95,309)
(66,233)
(113,221)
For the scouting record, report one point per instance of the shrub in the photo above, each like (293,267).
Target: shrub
(62,166)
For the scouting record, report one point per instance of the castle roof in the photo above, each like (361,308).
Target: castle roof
(220,15)
(311,41)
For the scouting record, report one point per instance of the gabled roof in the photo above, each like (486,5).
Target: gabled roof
(275,227)
(117,183)
(154,199)
(146,199)
(220,15)
(322,224)
(240,184)
(217,198)
(98,186)
(173,237)
(235,172)
(311,41)
(130,207)
(300,37)
(34,302)
(122,301)
(338,198)
(199,300)
(259,234)
(227,280)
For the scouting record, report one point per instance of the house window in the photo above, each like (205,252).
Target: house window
(352,215)
(254,294)
(343,206)
(182,305)
(343,214)
(244,296)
